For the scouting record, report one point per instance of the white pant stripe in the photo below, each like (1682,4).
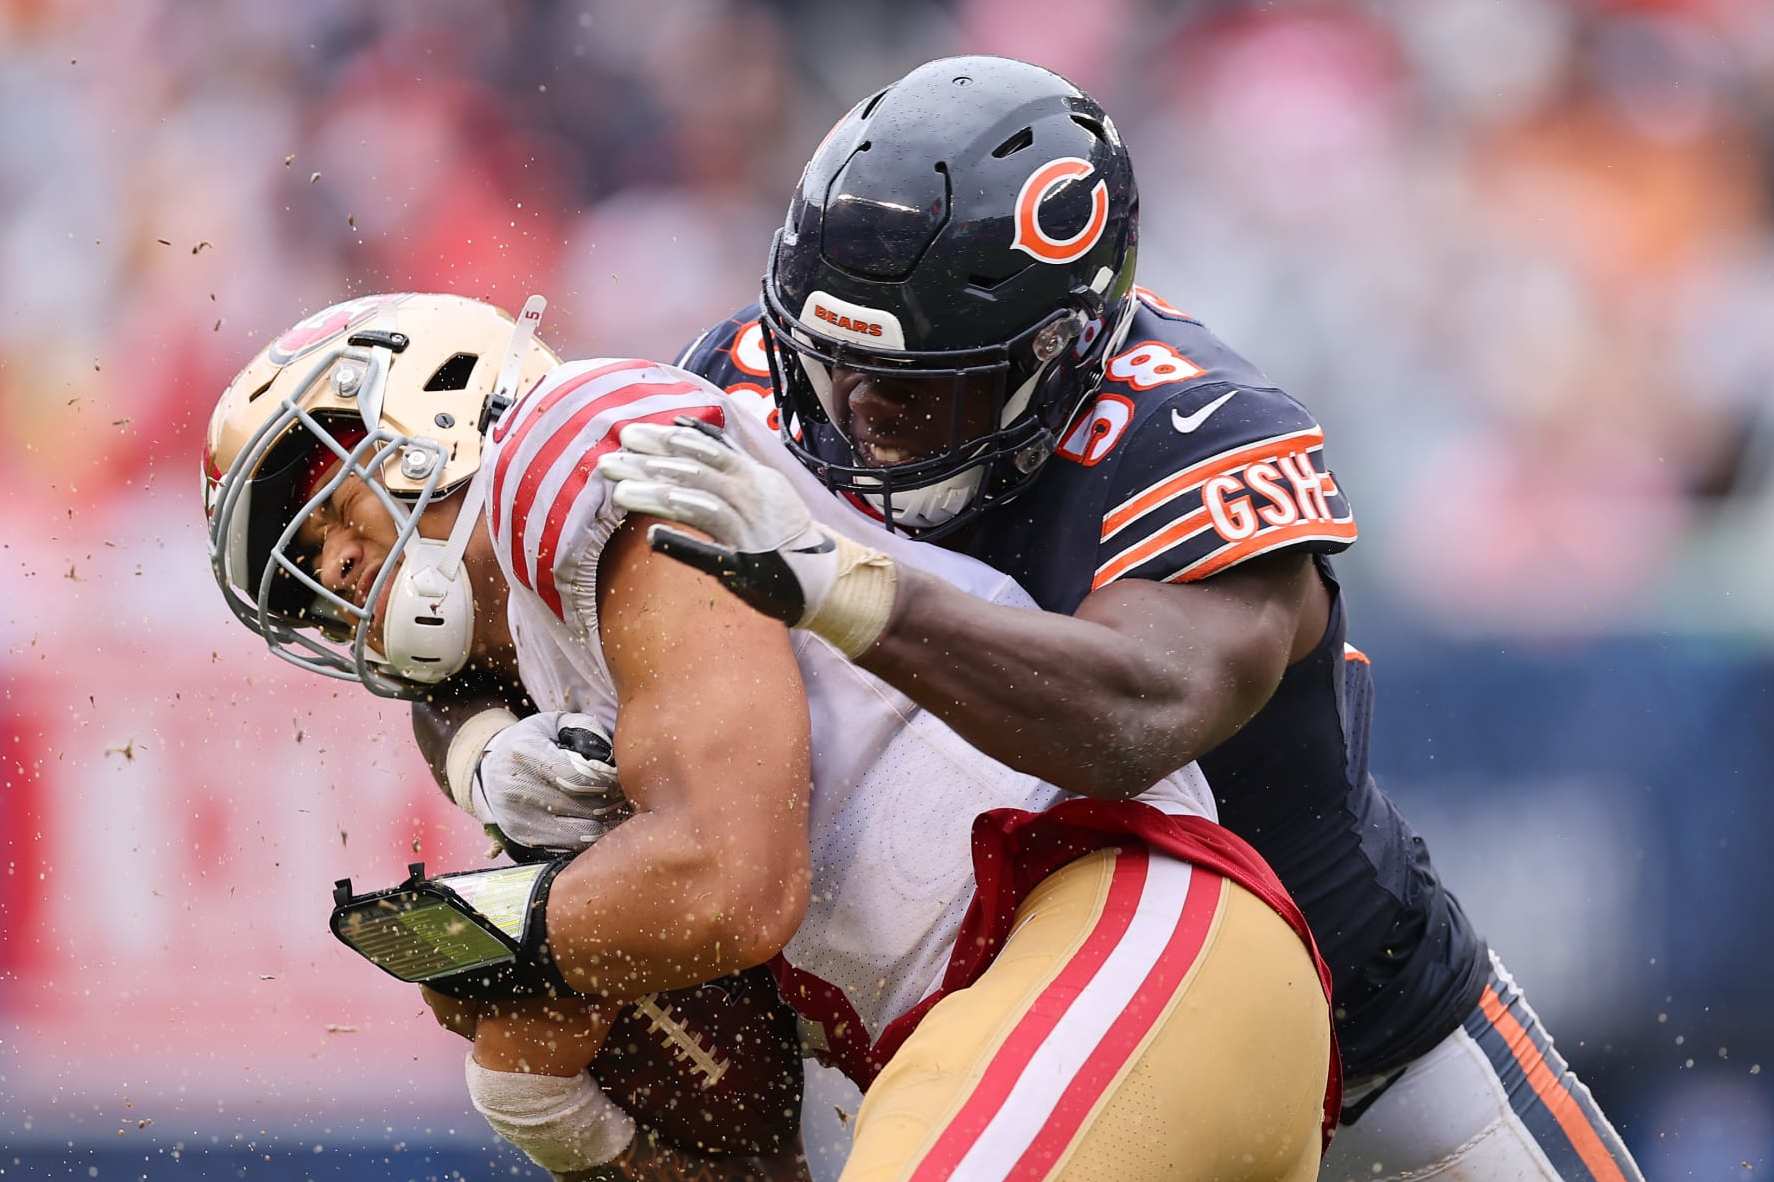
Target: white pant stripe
(1026,1110)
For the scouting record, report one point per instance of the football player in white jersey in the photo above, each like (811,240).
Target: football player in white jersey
(1024,985)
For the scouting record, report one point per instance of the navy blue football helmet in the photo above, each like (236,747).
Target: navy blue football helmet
(968,233)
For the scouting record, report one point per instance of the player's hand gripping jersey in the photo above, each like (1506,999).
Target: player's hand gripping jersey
(894,789)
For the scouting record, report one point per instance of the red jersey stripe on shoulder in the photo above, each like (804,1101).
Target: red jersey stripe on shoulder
(1262,543)
(509,419)
(536,471)
(575,484)
(509,447)
(1178,483)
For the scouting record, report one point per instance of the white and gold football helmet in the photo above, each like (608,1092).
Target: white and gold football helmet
(402,389)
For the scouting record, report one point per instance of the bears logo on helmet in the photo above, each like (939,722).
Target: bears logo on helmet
(930,230)
(1036,242)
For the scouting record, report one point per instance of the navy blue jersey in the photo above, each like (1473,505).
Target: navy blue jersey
(1186,462)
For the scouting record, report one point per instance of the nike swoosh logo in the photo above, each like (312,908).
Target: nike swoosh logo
(1188,423)
(825,546)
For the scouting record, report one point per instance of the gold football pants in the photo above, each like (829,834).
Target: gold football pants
(1146,1020)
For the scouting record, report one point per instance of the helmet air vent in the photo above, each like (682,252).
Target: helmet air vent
(874,102)
(1016,143)
(989,283)
(262,389)
(454,373)
(881,216)
(1093,126)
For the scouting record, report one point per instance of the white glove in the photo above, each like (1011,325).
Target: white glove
(549,781)
(767,548)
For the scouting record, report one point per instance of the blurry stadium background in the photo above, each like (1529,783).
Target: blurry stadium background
(1518,255)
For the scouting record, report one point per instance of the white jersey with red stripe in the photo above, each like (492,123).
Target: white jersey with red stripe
(894,789)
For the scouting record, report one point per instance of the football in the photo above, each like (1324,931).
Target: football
(714,1069)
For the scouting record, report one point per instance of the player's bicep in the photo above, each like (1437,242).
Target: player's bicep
(712,714)
(1229,639)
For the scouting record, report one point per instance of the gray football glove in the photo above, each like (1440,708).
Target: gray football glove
(767,549)
(549,782)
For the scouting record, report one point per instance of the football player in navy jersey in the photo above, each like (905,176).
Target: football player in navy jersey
(951,338)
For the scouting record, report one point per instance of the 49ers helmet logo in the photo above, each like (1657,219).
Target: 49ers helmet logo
(1031,239)
(326,324)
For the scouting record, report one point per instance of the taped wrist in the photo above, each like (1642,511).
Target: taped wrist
(464,753)
(854,613)
(563,1124)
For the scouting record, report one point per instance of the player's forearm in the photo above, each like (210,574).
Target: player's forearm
(1068,700)
(661,903)
(435,724)
(711,875)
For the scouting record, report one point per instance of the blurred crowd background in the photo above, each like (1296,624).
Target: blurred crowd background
(1518,255)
